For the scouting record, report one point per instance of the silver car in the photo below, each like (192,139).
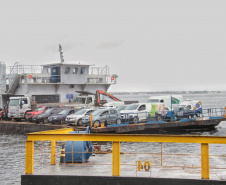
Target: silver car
(107,116)
(76,118)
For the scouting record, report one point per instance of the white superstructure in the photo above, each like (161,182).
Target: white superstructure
(52,83)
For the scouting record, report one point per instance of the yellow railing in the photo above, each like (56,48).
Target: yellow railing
(63,135)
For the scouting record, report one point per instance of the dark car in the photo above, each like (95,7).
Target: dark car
(44,116)
(61,116)
(183,112)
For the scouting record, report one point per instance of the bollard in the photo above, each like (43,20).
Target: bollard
(91,120)
(224,115)
(62,155)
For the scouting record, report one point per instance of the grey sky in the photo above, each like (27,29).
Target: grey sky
(151,45)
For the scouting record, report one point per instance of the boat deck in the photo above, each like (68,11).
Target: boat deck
(156,126)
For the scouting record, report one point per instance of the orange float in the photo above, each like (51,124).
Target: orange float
(30,76)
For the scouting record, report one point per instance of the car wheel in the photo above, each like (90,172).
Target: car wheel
(159,118)
(97,122)
(45,121)
(136,120)
(79,123)
(118,121)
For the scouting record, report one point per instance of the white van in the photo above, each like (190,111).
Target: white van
(195,105)
(138,112)
(176,100)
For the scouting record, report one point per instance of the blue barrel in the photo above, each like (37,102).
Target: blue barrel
(78,151)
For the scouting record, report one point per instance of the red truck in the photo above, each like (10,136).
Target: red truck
(39,110)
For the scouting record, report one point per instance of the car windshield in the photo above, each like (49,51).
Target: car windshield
(97,112)
(48,111)
(80,112)
(178,108)
(153,101)
(39,109)
(120,108)
(14,102)
(132,107)
(63,112)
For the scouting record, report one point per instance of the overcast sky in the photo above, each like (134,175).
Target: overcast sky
(152,45)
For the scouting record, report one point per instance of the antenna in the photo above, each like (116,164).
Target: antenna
(61,54)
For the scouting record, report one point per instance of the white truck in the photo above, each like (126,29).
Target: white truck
(82,101)
(167,100)
(139,112)
(18,106)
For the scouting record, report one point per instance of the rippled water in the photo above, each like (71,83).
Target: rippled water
(12,147)
(12,158)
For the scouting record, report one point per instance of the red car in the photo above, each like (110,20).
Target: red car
(38,110)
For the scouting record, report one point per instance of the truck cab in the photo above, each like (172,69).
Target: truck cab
(18,106)
(86,100)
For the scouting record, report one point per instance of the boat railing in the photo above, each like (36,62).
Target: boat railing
(41,78)
(150,157)
(99,70)
(26,69)
(171,116)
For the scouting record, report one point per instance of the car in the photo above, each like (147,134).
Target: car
(76,118)
(60,117)
(182,111)
(141,112)
(44,116)
(107,116)
(39,110)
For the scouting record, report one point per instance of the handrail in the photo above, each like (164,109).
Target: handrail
(12,76)
(63,135)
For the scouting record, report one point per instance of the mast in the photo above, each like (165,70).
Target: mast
(61,54)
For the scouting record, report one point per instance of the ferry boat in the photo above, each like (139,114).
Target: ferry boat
(52,83)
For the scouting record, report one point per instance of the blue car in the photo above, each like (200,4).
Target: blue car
(61,116)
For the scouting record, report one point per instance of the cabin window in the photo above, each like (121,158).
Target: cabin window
(142,107)
(83,70)
(75,70)
(89,100)
(25,100)
(49,70)
(67,70)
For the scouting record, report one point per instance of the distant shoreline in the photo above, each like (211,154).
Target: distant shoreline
(170,92)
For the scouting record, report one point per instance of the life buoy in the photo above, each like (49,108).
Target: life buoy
(30,76)
(112,78)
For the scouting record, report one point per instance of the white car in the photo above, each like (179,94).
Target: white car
(76,118)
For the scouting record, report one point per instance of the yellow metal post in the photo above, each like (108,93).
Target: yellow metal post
(53,152)
(116,159)
(29,157)
(161,154)
(91,120)
(205,160)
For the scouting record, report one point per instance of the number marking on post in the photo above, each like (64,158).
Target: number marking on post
(143,165)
